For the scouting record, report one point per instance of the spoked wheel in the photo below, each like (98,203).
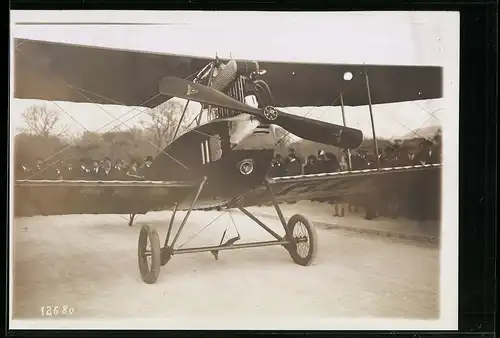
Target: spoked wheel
(149,254)
(303,243)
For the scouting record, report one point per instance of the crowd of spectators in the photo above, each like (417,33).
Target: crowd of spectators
(326,162)
(86,169)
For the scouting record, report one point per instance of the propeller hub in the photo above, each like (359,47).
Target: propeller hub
(270,113)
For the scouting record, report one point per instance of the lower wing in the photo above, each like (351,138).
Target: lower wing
(342,185)
(51,197)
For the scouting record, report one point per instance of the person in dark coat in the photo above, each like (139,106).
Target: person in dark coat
(402,155)
(82,172)
(146,168)
(321,166)
(293,166)
(345,160)
(424,155)
(105,170)
(312,166)
(36,171)
(55,172)
(66,170)
(436,150)
(371,161)
(331,163)
(120,170)
(358,160)
(132,172)
(38,164)
(22,171)
(277,166)
(388,158)
(94,170)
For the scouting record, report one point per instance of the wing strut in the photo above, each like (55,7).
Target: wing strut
(202,184)
(343,121)
(375,145)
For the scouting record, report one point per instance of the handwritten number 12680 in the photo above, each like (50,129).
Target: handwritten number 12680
(56,310)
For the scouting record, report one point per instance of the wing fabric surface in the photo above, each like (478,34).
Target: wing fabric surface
(43,71)
(96,184)
(342,185)
(96,197)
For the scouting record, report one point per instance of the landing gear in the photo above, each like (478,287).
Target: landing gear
(300,240)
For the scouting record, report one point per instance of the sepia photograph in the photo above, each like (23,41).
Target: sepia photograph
(234,170)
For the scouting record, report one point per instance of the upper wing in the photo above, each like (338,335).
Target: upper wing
(64,72)
(345,184)
(303,84)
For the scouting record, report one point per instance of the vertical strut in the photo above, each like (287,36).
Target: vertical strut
(189,211)
(209,84)
(343,121)
(170,225)
(375,145)
(278,211)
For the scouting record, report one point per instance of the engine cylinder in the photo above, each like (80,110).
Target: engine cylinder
(226,80)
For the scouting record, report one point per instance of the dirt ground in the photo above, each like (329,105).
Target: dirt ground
(88,264)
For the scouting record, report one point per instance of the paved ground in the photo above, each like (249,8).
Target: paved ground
(89,263)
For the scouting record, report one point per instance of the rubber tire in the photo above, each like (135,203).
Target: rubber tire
(313,240)
(148,276)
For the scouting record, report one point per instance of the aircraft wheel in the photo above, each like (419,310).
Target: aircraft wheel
(149,254)
(304,240)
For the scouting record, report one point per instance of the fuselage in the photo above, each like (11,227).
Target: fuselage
(216,150)
(223,149)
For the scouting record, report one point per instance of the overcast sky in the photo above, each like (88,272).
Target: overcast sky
(408,38)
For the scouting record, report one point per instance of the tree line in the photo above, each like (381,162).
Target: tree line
(39,137)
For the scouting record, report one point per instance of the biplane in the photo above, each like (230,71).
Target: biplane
(211,165)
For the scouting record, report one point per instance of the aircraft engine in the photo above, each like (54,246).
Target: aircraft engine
(224,75)
(230,78)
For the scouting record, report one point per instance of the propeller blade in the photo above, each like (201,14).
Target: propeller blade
(315,130)
(306,128)
(173,86)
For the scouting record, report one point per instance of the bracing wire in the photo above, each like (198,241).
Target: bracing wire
(115,119)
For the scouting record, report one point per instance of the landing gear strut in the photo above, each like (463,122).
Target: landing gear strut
(300,240)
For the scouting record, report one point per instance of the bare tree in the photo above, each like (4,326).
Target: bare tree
(40,120)
(163,121)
